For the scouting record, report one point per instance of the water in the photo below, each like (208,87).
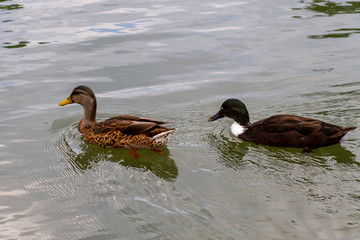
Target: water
(177,61)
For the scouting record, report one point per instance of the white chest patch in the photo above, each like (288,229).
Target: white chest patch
(237,129)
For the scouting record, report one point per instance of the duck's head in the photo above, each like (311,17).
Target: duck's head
(82,95)
(234,109)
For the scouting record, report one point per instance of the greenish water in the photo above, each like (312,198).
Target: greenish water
(177,61)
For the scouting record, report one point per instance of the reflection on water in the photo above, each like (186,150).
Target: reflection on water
(331,8)
(125,27)
(324,8)
(337,33)
(138,20)
(178,60)
(11,6)
(232,153)
(336,153)
(18,45)
(88,155)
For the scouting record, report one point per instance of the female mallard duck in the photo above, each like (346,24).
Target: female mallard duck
(280,130)
(128,132)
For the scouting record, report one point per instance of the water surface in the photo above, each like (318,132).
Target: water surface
(177,61)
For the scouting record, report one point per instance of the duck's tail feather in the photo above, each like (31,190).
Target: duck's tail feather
(164,137)
(343,132)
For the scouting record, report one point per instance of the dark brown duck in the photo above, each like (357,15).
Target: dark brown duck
(280,130)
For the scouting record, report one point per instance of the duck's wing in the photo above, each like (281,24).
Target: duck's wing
(136,118)
(291,123)
(131,125)
(294,131)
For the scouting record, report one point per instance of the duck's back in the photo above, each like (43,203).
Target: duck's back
(129,132)
(294,131)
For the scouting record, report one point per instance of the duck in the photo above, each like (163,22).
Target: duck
(280,130)
(129,132)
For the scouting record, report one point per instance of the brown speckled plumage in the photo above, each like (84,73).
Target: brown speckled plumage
(128,132)
(107,135)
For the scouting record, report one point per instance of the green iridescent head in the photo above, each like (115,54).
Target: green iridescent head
(234,109)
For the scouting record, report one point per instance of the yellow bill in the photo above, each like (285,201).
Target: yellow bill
(66,102)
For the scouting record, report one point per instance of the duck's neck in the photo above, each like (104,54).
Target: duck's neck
(242,119)
(238,129)
(241,124)
(89,118)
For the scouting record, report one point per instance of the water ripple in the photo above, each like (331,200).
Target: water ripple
(82,156)
(154,90)
(154,11)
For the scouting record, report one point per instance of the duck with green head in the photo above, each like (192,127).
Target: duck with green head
(280,130)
